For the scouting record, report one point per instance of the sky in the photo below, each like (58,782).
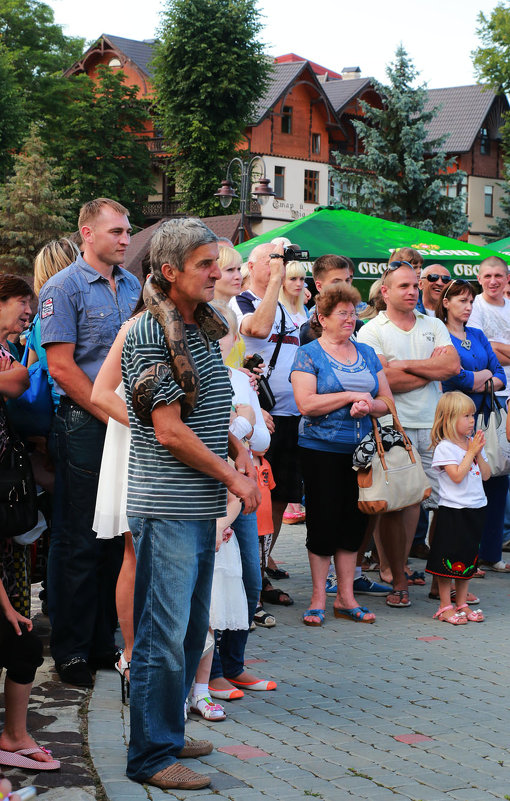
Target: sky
(439,35)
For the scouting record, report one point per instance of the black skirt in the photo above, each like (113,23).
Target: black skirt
(454,549)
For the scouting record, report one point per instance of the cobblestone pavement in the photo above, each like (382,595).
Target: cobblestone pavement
(408,708)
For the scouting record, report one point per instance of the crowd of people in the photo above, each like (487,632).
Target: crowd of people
(195,414)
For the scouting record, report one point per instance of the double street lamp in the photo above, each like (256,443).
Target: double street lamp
(262,190)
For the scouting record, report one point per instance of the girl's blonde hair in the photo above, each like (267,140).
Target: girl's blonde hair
(293,269)
(52,258)
(228,257)
(450,407)
(229,316)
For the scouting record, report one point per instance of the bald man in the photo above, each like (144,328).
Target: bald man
(433,280)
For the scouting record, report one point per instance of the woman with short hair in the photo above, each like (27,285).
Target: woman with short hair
(337,385)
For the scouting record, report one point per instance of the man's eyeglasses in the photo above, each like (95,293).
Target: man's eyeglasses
(461,281)
(433,277)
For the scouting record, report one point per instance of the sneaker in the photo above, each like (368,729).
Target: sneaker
(331,585)
(75,671)
(363,586)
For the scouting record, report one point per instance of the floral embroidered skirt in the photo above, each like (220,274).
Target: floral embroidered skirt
(454,548)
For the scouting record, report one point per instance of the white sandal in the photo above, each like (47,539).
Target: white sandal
(204,706)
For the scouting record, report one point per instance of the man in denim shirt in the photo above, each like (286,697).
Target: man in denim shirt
(81,310)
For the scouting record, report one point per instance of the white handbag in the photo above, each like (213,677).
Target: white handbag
(497,447)
(395,478)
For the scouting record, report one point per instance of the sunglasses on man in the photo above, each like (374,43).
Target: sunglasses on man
(433,277)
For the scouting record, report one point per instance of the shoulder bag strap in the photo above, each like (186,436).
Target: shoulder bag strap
(278,345)
(396,424)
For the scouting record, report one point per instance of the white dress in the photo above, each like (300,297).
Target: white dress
(229,606)
(110,517)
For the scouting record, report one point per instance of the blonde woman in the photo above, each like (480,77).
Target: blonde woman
(292,292)
(53,257)
(226,288)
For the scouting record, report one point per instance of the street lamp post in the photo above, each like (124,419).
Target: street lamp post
(262,191)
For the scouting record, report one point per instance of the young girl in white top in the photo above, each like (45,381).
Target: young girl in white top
(461,463)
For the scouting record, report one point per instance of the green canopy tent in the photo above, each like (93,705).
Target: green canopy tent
(369,242)
(502,246)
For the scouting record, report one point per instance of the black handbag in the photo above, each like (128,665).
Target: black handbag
(266,398)
(18,492)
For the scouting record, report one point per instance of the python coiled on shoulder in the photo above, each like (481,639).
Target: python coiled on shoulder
(181,365)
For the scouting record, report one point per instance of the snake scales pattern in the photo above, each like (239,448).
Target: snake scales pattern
(182,365)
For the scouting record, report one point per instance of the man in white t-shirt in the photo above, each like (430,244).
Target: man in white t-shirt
(261,320)
(491,312)
(433,280)
(417,353)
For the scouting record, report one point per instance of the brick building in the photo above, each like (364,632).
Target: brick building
(306,114)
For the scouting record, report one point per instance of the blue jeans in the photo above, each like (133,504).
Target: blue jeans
(228,659)
(174,567)
(82,570)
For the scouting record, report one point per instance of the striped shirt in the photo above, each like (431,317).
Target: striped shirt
(159,485)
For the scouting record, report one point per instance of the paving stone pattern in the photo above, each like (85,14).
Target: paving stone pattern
(408,708)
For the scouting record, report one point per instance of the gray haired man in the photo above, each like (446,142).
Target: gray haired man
(178,480)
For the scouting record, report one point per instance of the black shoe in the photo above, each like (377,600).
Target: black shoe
(75,671)
(419,550)
(105,661)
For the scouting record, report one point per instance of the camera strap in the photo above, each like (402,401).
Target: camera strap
(279,341)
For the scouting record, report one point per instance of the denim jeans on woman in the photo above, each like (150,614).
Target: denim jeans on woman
(174,567)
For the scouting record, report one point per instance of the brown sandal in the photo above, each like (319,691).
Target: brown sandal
(402,598)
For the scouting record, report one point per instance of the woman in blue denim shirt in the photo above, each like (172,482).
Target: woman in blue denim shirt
(337,383)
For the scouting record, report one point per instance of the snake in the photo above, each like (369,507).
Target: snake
(181,366)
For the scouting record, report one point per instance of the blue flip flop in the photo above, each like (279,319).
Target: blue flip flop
(314,613)
(357,614)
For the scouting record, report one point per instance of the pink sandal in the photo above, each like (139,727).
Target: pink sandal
(457,619)
(474,615)
(21,759)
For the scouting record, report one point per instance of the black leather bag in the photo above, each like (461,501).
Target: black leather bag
(18,492)
(266,398)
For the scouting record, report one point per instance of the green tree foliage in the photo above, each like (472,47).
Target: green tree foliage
(209,71)
(11,115)
(402,175)
(39,51)
(101,157)
(492,65)
(31,209)
(492,59)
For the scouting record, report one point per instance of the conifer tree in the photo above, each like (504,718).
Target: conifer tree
(402,174)
(31,210)
(11,114)
(209,72)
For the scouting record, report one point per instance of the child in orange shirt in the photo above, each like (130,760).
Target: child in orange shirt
(265,483)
